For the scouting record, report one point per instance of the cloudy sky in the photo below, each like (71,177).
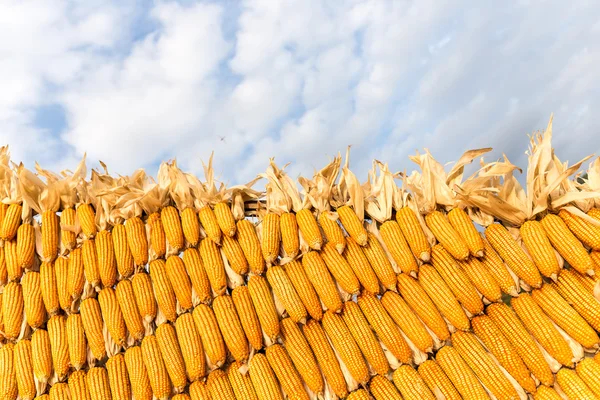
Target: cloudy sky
(136,82)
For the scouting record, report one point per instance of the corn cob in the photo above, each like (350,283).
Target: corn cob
(235,255)
(446,235)
(225,218)
(497,268)
(49,288)
(546,393)
(76,273)
(199,391)
(90,262)
(539,248)
(68,238)
(437,381)
(24,370)
(191,347)
(581,300)
(456,279)
(248,240)
(380,263)
(263,379)
(163,290)
(138,376)
(441,295)
(352,225)
(231,327)
(11,222)
(197,273)
(76,341)
(585,231)
(302,356)
(172,227)
(3,210)
(61,271)
(411,385)
(340,269)
(158,238)
(219,387)
(213,264)
(359,263)
(118,378)
(248,317)
(144,297)
(180,281)
(321,280)
(59,345)
(382,389)
(13,267)
(78,387)
(482,279)
(398,247)
(3,270)
(289,234)
(87,220)
(284,290)
(271,238)
(8,381)
(41,353)
(460,374)
(290,380)
(136,238)
(59,391)
(112,315)
(365,338)
(190,225)
(209,222)
(171,356)
(333,232)
(25,246)
(572,385)
(422,305)
(407,321)
(155,367)
(567,245)
(241,383)
(264,305)
(304,289)
(129,309)
(360,394)
(98,384)
(35,312)
(107,263)
(310,229)
(463,225)
(123,256)
(589,372)
(212,339)
(91,317)
(12,310)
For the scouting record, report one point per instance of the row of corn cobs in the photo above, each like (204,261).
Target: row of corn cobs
(200,302)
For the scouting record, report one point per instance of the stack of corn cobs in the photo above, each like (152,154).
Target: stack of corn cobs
(420,286)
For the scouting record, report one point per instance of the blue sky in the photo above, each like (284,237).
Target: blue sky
(133,83)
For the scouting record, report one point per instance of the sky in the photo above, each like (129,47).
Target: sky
(134,83)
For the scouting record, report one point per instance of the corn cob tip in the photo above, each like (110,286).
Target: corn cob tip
(425,256)
(340,247)
(479,254)
(590,272)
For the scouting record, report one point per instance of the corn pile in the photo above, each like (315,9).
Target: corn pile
(125,287)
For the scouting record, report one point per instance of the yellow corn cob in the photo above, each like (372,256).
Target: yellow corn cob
(586,232)
(35,313)
(136,238)
(199,391)
(118,378)
(155,367)
(446,235)
(546,393)
(225,218)
(61,271)
(419,301)
(129,309)
(171,356)
(90,262)
(340,269)
(321,280)
(497,268)
(197,273)
(514,256)
(59,391)
(190,225)
(563,315)
(333,231)
(437,381)
(163,290)
(342,340)
(355,257)
(49,288)
(271,238)
(11,222)
(463,225)
(352,225)
(98,384)
(365,338)
(264,305)
(180,281)
(289,234)
(8,381)
(13,267)
(495,341)
(539,248)
(325,356)
(302,356)
(191,347)
(310,229)
(384,326)
(12,310)
(284,290)
(107,263)
(231,327)
(213,264)
(360,394)
(76,341)
(57,330)
(3,271)
(172,226)
(398,246)
(506,321)
(158,238)
(24,369)
(219,387)
(411,385)
(3,210)
(138,376)
(87,220)
(460,374)
(567,245)
(112,315)
(241,383)
(41,352)
(441,295)
(290,380)
(248,317)
(248,240)
(144,296)
(263,379)
(235,255)
(25,245)
(212,339)
(209,222)
(380,263)
(123,256)
(407,321)
(91,317)
(482,279)
(76,273)
(572,385)
(581,300)
(382,389)
(78,387)
(304,289)
(68,238)
(456,279)
(589,372)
